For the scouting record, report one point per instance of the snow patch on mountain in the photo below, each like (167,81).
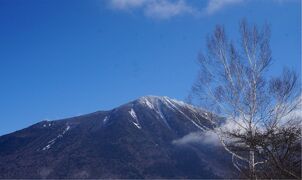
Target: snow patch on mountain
(162,117)
(137,125)
(146,101)
(47,125)
(133,114)
(47,147)
(135,119)
(105,120)
(173,105)
(156,103)
(53,141)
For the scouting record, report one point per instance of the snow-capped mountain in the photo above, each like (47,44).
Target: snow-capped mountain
(135,140)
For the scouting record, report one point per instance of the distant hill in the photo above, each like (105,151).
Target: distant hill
(135,140)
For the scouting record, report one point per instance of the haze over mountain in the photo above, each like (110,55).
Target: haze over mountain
(136,140)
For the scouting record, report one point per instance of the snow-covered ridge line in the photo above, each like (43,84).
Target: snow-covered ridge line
(153,101)
(156,103)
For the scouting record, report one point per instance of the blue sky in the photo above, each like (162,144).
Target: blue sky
(65,58)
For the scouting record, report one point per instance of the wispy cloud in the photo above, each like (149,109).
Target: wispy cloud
(167,9)
(126,4)
(217,5)
(194,137)
(156,9)
(211,137)
(207,137)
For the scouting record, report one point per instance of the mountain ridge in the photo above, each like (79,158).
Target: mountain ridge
(133,140)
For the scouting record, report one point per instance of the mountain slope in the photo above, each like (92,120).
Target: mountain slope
(134,140)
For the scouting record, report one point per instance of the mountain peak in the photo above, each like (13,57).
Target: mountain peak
(138,133)
(154,101)
(154,97)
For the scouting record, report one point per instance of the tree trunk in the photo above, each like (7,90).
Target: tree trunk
(252,164)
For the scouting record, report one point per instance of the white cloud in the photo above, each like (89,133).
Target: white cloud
(126,4)
(157,9)
(165,9)
(210,137)
(194,137)
(216,5)
(207,137)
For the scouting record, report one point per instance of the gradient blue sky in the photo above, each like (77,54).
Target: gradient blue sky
(65,58)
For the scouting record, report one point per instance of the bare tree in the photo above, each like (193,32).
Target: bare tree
(233,83)
(282,153)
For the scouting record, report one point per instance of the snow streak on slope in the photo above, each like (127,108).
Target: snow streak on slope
(105,120)
(135,119)
(157,103)
(51,142)
(154,103)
